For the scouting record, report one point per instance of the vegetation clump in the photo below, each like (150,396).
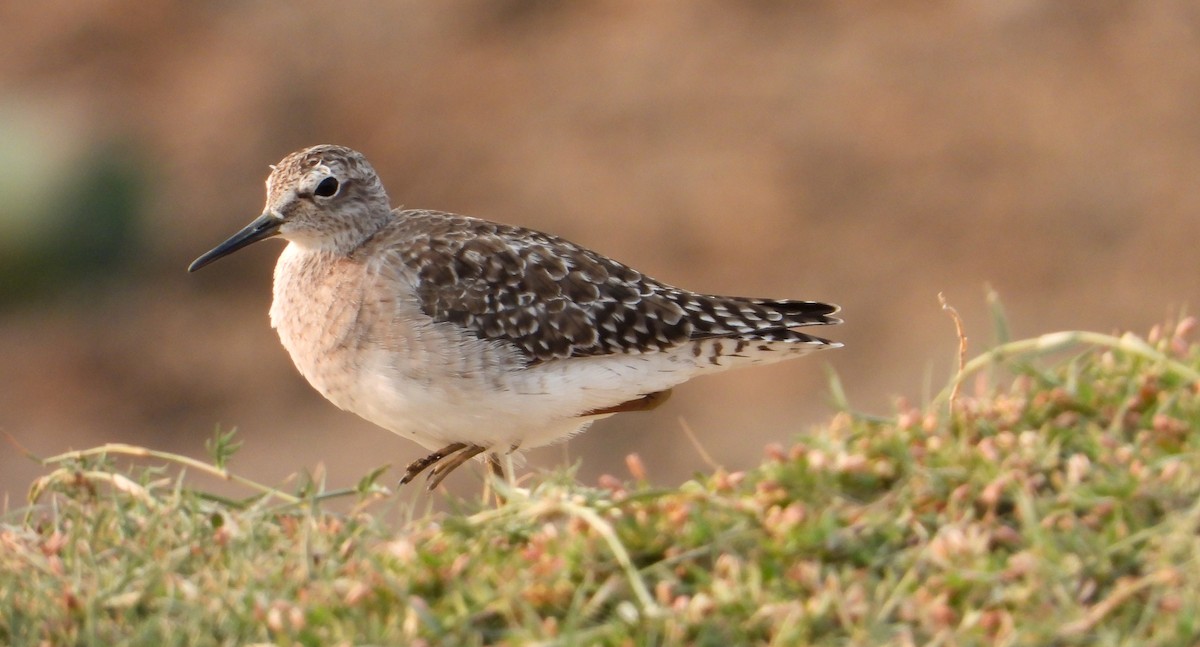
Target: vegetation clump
(1050,495)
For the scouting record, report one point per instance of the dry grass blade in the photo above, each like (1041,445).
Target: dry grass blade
(962,344)
(178,459)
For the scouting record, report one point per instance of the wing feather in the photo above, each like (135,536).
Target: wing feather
(552,299)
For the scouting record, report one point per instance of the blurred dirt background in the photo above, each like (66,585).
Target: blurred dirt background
(871,155)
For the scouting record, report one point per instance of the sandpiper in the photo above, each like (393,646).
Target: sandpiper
(471,337)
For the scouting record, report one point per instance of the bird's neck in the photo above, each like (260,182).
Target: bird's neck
(340,239)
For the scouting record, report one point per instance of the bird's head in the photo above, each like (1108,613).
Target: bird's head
(322,198)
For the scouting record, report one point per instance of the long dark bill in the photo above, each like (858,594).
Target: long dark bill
(264,226)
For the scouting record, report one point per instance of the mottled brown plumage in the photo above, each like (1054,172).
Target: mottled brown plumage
(552,299)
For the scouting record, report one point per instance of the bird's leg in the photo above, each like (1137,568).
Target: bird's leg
(493,463)
(421,464)
(507,469)
(451,463)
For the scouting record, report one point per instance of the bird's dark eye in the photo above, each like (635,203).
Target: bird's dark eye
(327,187)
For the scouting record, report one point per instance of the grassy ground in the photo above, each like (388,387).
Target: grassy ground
(1053,499)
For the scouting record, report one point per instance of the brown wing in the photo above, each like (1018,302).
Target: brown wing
(553,299)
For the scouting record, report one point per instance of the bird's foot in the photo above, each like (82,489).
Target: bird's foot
(451,463)
(415,468)
(441,463)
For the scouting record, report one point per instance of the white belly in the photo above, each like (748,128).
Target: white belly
(525,408)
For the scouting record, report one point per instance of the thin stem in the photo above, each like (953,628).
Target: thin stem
(142,452)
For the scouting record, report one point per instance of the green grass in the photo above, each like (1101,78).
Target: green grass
(1053,498)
